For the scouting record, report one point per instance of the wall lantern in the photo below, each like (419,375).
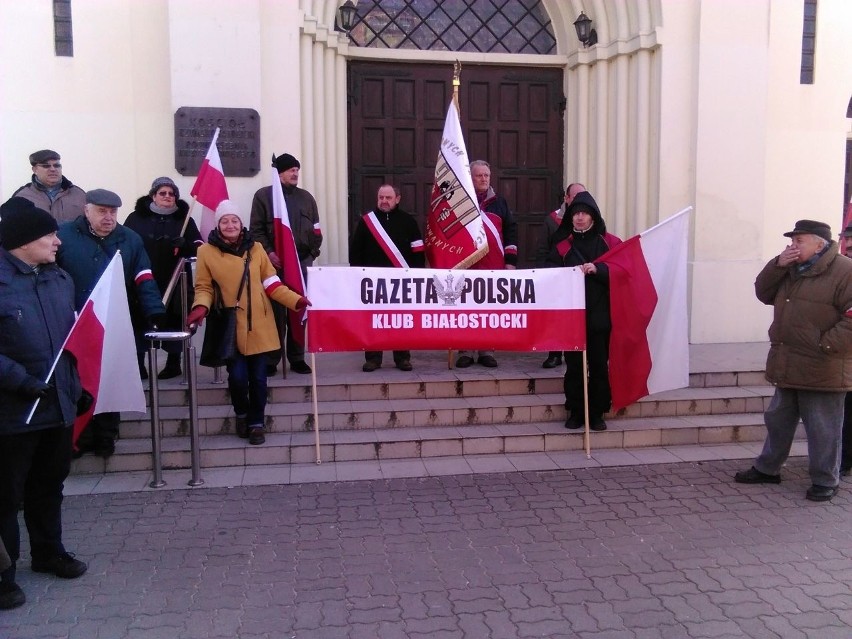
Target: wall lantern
(585,33)
(346,16)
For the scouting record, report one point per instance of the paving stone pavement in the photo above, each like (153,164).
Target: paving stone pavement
(668,550)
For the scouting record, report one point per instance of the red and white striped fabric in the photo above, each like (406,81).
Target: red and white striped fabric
(385,242)
(210,188)
(455,231)
(285,247)
(380,309)
(649,343)
(102,342)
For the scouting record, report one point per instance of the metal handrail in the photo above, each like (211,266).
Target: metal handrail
(155,338)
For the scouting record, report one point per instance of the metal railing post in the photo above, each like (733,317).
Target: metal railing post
(155,337)
(156,459)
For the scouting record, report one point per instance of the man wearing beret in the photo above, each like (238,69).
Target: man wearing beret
(36,315)
(88,245)
(305,224)
(810,356)
(50,190)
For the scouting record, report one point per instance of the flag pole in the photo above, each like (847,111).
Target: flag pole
(187,218)
(587,435)
(64,342)
(316,409)
(456,85)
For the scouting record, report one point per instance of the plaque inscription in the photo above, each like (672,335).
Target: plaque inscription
(238,143)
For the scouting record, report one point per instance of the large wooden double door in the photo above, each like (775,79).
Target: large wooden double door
(511,117)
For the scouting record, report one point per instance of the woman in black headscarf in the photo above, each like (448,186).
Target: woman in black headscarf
(580,239)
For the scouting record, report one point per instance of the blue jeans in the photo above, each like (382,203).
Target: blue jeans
(822,415)
(247,385)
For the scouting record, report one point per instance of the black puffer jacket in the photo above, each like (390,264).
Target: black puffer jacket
(568,247)
(159,233)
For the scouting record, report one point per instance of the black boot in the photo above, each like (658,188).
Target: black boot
(172,368)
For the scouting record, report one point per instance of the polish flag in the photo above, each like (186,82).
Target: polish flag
(455,228)
(209,188)
(102,342)
(649,343)
(285,248)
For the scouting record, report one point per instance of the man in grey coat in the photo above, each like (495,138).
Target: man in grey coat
(810,357)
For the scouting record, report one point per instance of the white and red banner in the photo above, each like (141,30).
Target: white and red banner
(210,188)
(649,343)
(285,247)
(102,342)
(455,233)
(377,309)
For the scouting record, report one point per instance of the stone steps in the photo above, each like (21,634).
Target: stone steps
(434,412)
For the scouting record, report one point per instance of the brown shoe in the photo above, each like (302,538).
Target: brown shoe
(256,436)
(404,365)
(370,365)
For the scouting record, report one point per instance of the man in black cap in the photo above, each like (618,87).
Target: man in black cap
(50,190)
(36,315)
(88,245)
(305,224)
(810,357)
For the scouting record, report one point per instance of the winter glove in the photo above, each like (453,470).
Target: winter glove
(178,242)
(84,403)
(196,317)
(34,388)
(302,303)
(156,321)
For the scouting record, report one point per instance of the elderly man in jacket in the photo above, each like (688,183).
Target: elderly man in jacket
(50,190)
(88,245)
(36,314)
(810,356)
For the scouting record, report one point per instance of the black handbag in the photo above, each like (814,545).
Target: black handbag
(220,336)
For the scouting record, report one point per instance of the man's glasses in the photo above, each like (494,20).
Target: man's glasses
(166,193)
(46,165)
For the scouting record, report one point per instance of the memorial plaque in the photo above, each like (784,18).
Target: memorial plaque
(238,143)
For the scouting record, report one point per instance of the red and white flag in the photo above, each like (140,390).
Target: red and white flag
(102,342)
(649,343)
(210,188)
(455,232)
(285,247)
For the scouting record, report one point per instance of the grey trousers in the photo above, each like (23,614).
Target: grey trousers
(822,415)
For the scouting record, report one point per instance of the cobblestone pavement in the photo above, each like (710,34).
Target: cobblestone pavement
(670,550)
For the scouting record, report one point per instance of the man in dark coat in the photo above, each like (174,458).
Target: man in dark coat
(305,225)
(387,237)
(579,241)
(88,245)
(36,315)
(809,286)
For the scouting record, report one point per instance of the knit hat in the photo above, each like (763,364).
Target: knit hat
(45,155)
(164,181)
(811,227)
(228,207)
(286,162)
(22,222)
(847,232)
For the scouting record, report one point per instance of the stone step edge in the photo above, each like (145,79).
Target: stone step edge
(228,450)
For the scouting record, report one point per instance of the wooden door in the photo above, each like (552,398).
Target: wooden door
(511,117)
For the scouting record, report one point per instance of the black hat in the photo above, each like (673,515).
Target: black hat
(45,155)
(164,181)
(286,162)
(102,197)
(847,232)
(811,227)
(22,222)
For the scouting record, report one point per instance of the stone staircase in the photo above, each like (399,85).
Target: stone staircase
(437,412)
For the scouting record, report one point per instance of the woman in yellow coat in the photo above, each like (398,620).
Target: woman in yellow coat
(222,260)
